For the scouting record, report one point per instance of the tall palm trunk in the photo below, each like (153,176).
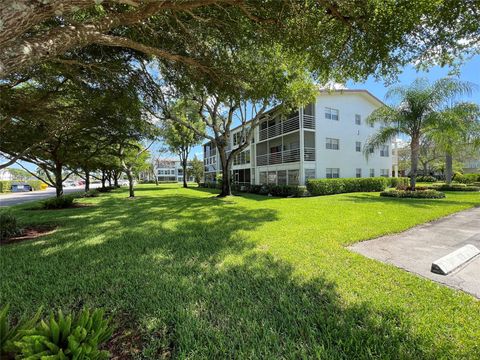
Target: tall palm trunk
(448,168)
(415,151)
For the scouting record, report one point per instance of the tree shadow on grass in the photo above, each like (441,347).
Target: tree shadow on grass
(423,203)
(185,273)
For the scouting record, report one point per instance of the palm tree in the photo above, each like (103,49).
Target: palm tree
(458,128)
(416,109)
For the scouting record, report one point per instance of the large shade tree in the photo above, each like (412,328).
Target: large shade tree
(416,110)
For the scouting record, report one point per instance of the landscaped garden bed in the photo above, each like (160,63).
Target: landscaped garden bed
(416,194)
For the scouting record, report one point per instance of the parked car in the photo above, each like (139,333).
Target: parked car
(20,186)
(69,183)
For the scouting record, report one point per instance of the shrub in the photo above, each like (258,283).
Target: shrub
(455,187)
(423,194)
(400,181)
(58,337)
(466,178)
(274,190)
(426,178)
(345,185)
(60,202)
(8,225)
(105,189)
(91,193)
(5,186)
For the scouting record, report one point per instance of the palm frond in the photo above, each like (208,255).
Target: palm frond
(383,136)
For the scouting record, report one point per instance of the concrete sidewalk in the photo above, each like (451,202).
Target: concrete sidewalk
(414,250)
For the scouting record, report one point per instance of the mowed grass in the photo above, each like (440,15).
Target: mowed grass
(245,277)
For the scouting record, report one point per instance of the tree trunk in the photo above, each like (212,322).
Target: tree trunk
(415,150)
(58,180)
(116,175)
(448,168)
(184,167)
(226,185)
(130,183)
(109,179)
(87,180)
(103,179)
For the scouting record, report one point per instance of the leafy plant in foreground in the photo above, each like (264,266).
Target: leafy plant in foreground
(8,225)
(66,337)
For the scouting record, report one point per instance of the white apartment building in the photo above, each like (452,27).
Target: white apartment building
(321,140)
(169,170)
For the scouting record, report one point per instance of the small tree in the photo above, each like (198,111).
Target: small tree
(179,138)
(196,169)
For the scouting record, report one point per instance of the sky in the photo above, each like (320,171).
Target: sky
(469,71)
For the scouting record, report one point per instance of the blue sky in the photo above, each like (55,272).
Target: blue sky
(469,71)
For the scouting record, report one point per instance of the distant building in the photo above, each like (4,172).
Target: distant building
(169,170)
(5,174)
(472,166)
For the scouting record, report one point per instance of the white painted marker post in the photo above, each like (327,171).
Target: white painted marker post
(454,260)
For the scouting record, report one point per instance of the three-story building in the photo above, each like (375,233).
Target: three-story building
(322,140)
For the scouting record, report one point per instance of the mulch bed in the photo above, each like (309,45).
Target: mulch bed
(29,233)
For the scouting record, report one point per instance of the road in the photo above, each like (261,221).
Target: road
(23,197)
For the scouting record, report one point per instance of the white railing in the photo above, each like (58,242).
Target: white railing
(280,157)
(309,154)
(280,128)
(309,121)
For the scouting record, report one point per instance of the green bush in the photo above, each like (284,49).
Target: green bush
(455,187)
(274,190)
(75,336)
(422,194)
(346,185)
(400,181)
(426,178)
(466,178)
(105,189)
(91,193)
(5,186)
(8,225)
(62,202)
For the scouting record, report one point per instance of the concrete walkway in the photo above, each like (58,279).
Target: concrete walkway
(414,250)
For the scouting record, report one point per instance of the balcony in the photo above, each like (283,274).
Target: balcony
(287,126)
(287,156)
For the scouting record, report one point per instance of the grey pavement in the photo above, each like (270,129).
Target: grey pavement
(27,196)
(415,249)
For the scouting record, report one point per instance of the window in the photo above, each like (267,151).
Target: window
(372,172)
(293,177)
(384,151)
(282,177)
(237,138)
(309,174)
(333,173)
(272,177)
(384,172)
(332,144)
(358,172)
(358,119)
(358,146)
(263,177)
(331,114)
(371,149)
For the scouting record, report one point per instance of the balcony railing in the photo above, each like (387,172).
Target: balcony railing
(280,157)
(309,154)
(280,128)
(309,121)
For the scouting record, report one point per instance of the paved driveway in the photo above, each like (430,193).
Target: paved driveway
(23,197)
(414,250)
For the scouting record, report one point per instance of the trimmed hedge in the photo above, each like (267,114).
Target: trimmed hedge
(37,184)
(273,190)
(5,186)
(422,194)
(455,187)
(467,178)
(400,181)
(8,225)
(426,178)
(346,185)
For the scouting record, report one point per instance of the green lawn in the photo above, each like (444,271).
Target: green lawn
(247,277)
